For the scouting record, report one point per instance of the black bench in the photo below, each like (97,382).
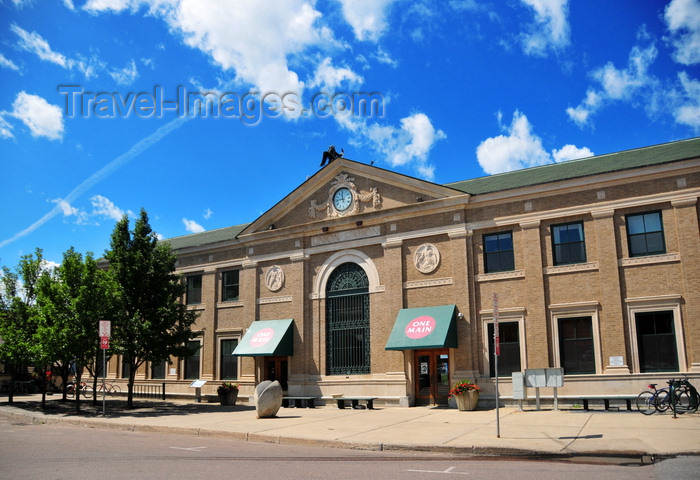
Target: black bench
(606,400)
(299,402)
(355,401)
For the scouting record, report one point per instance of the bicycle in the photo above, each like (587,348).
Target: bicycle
(111,389)
(657,400)
(684,396)
(85,390)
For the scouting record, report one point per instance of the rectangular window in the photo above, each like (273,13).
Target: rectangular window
(498,252)
(229,286)
(158,370)
(194,289)
(229,361)
(192,362)
(126,368)
(568,243)
(576,353)
(656,342)
(509,359)
(645,234)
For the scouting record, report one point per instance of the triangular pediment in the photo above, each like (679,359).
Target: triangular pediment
(347,189)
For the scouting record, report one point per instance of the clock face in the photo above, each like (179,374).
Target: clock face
(342,198)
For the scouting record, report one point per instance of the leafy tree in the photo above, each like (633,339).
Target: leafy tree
(150,324)
(18,309)
(71,303)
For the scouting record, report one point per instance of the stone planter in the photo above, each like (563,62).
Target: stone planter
(228,398)
(467,401)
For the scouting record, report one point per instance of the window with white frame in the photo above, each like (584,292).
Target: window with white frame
(576,346)
(511,328)
(228,361)
(656,339)
(192,363)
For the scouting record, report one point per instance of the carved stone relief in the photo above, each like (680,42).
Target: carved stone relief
(426,258)
(274,278)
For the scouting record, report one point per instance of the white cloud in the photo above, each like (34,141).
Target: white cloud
(550,28)
(42,118)
(521,148)
(617,84)
(329,77)
(35,43)
(237,36)
(570,152)
(192,226)
(688,111)
(105,207)
(408,145)
(366,17)
(208,213)
(683,21)
(7,63)
(70,211)
(126,75)
(5,128)
(518,149)
(69,4)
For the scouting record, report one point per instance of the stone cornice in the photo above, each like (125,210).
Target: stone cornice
(488,277)
(650,259)
(435,282)
(576,267)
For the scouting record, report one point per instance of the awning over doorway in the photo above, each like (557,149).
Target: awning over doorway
(267,338)
(425,327)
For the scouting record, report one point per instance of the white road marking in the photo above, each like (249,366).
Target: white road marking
(449,471)
(191,449)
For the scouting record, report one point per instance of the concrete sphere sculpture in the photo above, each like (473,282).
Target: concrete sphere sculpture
(268,398)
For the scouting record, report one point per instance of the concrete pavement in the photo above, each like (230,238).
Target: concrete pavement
(546,433)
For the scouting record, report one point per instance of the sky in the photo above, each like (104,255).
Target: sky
(208,112)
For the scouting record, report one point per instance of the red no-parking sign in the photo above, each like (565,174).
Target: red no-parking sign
(104,343)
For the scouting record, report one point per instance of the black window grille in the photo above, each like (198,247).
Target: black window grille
(229,286)
(656,342)
(498,252)
(194,289)
(229,361)
(192,362)
(645,234)
(347,321)
(509,341)
(576,353)
(569,244)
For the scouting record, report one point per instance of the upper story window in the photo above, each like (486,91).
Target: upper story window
(229,286)
(568,243)
(498,252)
(194,289)
(645,234)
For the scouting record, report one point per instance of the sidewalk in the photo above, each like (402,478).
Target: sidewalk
(545,433)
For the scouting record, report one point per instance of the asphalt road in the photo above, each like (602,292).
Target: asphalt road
(54,451)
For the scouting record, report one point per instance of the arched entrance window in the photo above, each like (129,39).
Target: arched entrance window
(347,321)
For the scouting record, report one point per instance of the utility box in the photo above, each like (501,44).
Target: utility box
(519,390)
(535,377)
(555,377)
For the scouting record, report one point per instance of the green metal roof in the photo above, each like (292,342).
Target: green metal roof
(204,238)
(424,327)
(613,162)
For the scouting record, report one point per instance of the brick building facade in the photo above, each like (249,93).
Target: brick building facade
(594,263)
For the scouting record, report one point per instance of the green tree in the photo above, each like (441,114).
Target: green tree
(150,324)
(70,305)
(18,320)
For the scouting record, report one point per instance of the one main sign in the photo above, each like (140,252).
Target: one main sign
(104,343)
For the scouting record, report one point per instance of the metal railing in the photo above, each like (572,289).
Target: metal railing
(142,390)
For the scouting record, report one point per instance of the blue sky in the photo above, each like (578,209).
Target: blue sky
(94,124)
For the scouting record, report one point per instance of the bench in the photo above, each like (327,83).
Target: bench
(355,401)
(606,400)
(299,402)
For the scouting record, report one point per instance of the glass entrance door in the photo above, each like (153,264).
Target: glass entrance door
(432,373)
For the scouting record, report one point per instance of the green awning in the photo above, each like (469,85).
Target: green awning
(425,327)
(267,338)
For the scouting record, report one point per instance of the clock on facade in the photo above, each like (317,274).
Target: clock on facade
(342,199)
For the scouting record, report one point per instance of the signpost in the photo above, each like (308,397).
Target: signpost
(496,353)
(105,333)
